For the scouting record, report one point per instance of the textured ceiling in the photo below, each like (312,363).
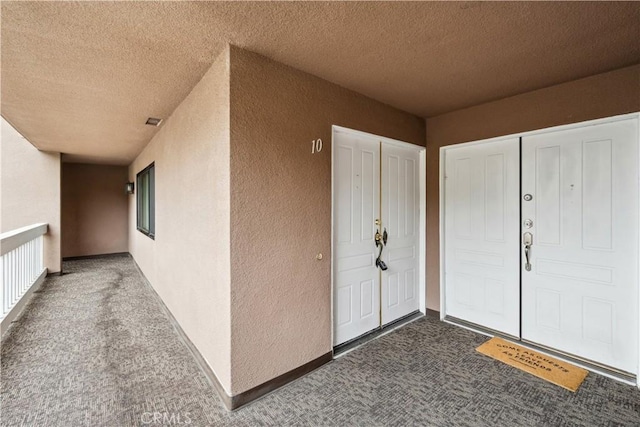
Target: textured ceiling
(82,78)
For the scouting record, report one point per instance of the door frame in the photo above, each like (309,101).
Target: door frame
(443,152)
(422,174)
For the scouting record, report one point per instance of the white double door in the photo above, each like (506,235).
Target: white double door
(575,287)
(376,189)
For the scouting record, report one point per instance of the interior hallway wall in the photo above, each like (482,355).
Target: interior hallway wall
(281,210)
(94,209)
(613,93)
(30,190)
(188,263)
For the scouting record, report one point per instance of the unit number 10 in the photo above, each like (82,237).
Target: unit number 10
(316,146)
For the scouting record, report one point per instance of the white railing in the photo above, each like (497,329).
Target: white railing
(22,269)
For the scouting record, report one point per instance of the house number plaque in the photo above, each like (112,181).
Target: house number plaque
(316,146)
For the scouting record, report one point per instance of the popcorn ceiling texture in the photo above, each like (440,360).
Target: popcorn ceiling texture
(86,77)
(281,210)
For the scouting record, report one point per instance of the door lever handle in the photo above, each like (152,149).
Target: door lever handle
(379,262)
(381,240)
(527,240)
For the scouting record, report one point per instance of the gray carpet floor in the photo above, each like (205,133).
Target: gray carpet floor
(95,348)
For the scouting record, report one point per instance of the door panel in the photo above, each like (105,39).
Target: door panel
(371,187)
(580,296)
(482,277)
(400,195)
(356,195)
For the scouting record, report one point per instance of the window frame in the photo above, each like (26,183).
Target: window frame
(149,171)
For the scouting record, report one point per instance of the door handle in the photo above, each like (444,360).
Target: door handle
(527,240)
(379,263)
(381,240)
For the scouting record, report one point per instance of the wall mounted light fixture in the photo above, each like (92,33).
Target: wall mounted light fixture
(129,188)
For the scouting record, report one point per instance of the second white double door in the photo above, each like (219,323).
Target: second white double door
(541,239)
(376,189)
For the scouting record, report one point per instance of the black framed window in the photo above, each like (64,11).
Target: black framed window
(145,181)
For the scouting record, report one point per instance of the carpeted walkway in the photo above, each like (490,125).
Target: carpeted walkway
(94,348)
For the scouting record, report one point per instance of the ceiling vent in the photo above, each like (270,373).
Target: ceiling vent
(152,121)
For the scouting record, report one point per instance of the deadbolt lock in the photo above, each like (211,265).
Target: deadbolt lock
(528,197)
(528,223)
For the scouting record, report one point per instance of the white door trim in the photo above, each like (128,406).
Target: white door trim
(423,207)
(422,267)
(637,116)
(443,151)
(582,124)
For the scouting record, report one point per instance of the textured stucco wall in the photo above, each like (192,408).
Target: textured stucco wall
(94,209)
(602,95)
(281,210)
(30,181)
(188,262)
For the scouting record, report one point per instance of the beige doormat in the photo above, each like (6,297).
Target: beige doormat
(542,366)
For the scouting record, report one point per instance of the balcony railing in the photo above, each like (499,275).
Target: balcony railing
(22,269)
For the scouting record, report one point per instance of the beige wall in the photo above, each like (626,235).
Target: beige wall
(94,209)
(188,262)
(281,210)
(30,181)
(243,207)
(603,95)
